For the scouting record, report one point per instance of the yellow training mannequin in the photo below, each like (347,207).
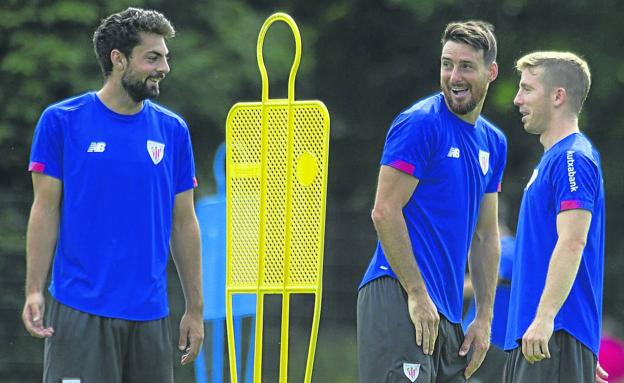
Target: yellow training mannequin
(277,153)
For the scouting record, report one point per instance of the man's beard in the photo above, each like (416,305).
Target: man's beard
(139,90)
(461,109)
(465,108)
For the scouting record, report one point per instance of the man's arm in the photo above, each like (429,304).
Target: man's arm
(394,190)
(572,229)
(186,250)
(483,260)
(41,237)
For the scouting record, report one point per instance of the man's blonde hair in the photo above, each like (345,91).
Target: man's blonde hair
(561,69)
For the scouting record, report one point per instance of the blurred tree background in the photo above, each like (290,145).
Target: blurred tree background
(366,60)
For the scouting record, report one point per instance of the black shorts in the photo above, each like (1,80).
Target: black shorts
(570,362)
(491,370)
(92,349)
(386,340)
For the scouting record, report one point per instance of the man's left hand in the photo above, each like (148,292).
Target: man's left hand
(535,340)
(191,336)
(601,374)
(477,336)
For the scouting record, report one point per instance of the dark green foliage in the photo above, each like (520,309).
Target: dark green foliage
(367,60)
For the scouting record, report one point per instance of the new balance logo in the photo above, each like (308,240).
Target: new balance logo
(453,153)
(97,147)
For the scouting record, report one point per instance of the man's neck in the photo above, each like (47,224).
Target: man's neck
(559,128)
(117,99)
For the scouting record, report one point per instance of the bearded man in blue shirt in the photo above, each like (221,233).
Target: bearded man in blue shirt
(113,178)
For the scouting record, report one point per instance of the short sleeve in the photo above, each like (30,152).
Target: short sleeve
(185,168)
(408,145)
(576,180)
(46,154)
(496,181)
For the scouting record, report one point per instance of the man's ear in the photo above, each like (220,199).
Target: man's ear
(118,59)
(493,71)
(559,97)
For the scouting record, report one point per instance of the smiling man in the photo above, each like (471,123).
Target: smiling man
(555,308)
(113,178)
(441,170)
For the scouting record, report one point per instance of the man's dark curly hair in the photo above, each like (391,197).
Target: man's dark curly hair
(121,31)
(478,34)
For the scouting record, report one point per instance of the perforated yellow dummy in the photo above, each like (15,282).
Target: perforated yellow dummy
(277,152)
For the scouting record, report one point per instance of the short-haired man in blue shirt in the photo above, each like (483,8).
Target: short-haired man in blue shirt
(555,309)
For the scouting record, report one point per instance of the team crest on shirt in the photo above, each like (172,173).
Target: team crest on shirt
(484,161)
(411,370)
(156,151)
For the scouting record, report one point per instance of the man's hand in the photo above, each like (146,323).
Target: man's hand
(601,374)
(191,336)
(426,320)
(32,316)
(535,339)
(477,336)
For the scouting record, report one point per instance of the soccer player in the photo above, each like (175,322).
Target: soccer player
(555,309)
(441,170)
(113,178)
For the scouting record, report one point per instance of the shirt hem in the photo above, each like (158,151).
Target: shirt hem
(136,318)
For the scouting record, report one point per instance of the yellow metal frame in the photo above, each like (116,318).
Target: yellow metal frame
(277,155)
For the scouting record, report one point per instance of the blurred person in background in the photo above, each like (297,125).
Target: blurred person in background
(437,197)
(113,177)
(610,366)
(555,309)
(493,365)
(611,358)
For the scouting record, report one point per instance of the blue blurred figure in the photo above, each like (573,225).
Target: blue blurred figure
(492,368)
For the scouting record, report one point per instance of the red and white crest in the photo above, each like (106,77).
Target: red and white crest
(411,370)
(484,161)
(156,151)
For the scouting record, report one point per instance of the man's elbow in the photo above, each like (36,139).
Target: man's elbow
(43,208)
(576,245)
(181,225)
(486,236)
(383,213)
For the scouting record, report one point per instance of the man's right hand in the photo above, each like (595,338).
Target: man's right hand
(32,316)
(426,319)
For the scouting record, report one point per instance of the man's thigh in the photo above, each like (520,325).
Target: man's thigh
(387,349)
(149,353)
(491,370)
(93,349)
(570,361)
(449,365)
(83,347)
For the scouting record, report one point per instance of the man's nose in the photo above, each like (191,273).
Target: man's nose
(455,75)
(517,100)
(164,67)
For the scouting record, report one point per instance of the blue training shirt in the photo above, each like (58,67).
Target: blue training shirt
(120,176)
(456,163)
(569,176)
